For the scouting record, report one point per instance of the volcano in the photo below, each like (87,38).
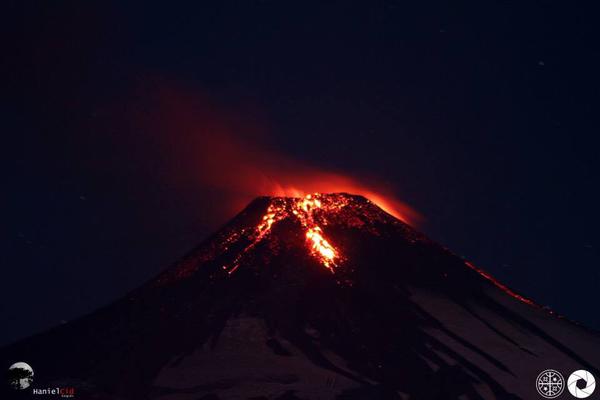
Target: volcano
(325,296)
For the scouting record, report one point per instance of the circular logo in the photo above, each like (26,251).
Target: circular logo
(20,376)
(550,384)
(581,384)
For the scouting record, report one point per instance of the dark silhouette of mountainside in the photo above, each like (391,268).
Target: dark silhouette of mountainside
(321,297)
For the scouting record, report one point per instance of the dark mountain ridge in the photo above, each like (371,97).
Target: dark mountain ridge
(325,296)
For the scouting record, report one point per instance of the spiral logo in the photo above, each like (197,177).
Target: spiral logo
(550,384)
(581,384)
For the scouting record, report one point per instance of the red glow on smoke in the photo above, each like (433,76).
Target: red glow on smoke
(303,181)
(231,154)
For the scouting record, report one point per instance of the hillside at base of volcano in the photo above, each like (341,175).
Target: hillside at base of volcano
(325,296)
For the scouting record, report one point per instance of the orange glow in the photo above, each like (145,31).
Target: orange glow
(301,209)
(334,183)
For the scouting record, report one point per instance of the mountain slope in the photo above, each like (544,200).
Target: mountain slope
(325,296)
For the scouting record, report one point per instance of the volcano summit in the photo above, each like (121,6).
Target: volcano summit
(326,296)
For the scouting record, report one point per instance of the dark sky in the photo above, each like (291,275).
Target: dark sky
(485,120)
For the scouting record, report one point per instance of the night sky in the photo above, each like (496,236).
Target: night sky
(484,120)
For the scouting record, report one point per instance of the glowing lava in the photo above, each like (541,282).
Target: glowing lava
(304,210)
(499,285)
(304,222)
(321,247)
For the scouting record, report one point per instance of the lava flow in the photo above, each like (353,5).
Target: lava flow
(307,222)
(304,210)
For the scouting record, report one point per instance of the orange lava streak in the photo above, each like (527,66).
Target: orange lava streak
(273,215)
(499,285)
(322,247)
